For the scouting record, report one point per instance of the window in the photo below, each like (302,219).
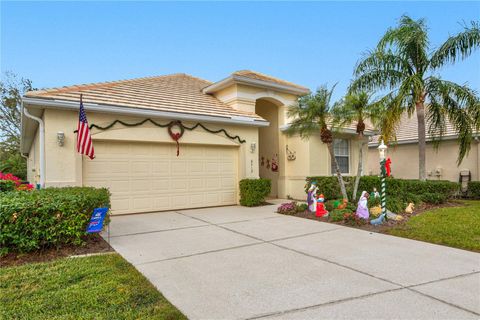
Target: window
(341,149)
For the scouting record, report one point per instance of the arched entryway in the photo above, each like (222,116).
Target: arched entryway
(268,142)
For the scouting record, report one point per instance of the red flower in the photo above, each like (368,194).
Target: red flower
(11,177)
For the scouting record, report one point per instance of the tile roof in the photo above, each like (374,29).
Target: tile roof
(407,130)
(171,93)
(260,76)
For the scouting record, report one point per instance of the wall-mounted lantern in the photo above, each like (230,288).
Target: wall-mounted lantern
(291,155)
(253,147)
(60,138)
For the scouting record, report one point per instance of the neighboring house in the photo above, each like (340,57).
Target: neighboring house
(441,164)
(139,163)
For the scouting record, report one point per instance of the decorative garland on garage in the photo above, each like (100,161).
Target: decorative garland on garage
(172,124)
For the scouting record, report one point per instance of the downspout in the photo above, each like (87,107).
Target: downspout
(42,144)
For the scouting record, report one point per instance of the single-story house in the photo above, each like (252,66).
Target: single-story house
(441,163)
(239,135)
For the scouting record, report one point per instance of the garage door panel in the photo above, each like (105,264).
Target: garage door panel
(142,204)
(211,167)
(196,167)
(226,167)
(118,186)
(197,199)
(140,186)
(146,177)
(179,167)
(161,167)
(180,185)
(196,184)
(121,205)
(228,197)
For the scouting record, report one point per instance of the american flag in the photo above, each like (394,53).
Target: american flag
(84,140)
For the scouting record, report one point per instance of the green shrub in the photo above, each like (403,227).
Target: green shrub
(396,205)
(302,207)
(433,197)
(47,218)
(254,191)
(411,197)
(329,204)
(328,186)
(338,214)
(474,190)
(405,190)
(351,206)
(373,202)
(352,219)
(7,185)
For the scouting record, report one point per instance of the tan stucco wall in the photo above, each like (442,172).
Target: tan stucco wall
(268,138)
(64,164)
(405,161)
(313,159)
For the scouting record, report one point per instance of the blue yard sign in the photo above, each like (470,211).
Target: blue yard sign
(96,221)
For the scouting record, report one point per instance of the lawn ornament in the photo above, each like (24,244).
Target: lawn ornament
(343,205)
(387,167)
(393,216)
(378,221)
(375,193)
(410,208)
(375,211)
(321,211)
(311,197)
(274,164)
(362,208)
(336,203)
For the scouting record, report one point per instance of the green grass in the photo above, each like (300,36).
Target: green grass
(96,287)
(457,227)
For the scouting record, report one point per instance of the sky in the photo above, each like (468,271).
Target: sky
(309,43)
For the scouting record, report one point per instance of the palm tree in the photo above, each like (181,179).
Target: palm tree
(311,115)
(403,65)
(357,107)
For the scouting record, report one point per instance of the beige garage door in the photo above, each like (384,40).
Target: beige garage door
(144,177)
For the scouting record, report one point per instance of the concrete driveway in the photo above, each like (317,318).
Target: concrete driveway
(251,263)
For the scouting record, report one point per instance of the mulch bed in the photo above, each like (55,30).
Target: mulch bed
(94,244)
(386,225)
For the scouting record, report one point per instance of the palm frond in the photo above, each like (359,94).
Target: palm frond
(457,47)
(311,112)
(460,105)
(377,79)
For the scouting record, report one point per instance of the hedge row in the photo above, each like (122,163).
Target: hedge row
(474,190)
(254,191)
(47,218)
(399,191)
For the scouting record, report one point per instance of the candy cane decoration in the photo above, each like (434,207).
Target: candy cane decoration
(383,196)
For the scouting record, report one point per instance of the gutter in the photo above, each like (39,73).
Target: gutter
(414,141)
(42,144)
(366,133)
(253,82)
(103,108)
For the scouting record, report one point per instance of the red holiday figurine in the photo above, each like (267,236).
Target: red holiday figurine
(321,212)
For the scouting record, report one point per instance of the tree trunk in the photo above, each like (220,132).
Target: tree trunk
(337,170)
(359,169)
(420,108)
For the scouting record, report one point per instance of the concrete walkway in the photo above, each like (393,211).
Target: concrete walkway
(251,263)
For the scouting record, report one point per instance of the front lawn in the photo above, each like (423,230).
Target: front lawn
(457,227)
(96,287)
